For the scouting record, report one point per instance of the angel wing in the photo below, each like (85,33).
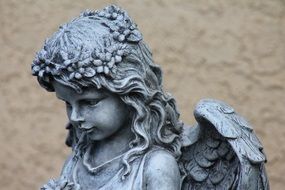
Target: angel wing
(226,153)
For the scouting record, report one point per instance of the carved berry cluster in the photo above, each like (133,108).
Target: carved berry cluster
(119,23)
(86,64)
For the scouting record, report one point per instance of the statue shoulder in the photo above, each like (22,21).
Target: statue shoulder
(162,170)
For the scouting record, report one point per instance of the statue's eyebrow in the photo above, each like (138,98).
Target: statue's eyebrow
(89,94)
(92,96)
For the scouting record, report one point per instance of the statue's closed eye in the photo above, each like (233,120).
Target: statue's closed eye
(86,102)
(90,102)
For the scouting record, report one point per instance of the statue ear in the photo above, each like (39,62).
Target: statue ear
(69,139)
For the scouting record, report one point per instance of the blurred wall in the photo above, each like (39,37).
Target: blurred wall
(231,50)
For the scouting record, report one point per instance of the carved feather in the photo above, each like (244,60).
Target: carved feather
(226,155)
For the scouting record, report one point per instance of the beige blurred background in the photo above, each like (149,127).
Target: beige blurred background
(233,50)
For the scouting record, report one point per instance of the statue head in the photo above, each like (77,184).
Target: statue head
(104,50)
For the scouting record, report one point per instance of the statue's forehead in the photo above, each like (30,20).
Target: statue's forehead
(67,93)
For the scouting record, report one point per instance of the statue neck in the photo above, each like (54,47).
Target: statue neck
(112,147)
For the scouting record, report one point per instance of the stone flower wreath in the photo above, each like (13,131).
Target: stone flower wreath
(60,184)
(83,63)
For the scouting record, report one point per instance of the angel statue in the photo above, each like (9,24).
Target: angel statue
(124,129)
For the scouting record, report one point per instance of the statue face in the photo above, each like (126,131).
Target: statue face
(98,112)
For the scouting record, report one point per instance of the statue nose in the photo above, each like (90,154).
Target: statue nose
(75,116)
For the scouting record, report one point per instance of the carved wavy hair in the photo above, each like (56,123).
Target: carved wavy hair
(138,82)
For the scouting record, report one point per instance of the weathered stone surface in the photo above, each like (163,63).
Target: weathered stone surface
(230,51)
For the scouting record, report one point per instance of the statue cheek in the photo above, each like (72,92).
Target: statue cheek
(98,120)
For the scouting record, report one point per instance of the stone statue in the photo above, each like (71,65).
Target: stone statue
(124,129)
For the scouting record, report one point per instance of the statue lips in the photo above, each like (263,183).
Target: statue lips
(87,129)
(90,130)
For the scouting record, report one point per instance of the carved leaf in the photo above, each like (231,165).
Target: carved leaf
(198,174)
(135,36)
(212,142)
(223,149)
(202,161)
(216,177)
(211,154)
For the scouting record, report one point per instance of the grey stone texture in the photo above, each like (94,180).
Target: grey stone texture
(229,50)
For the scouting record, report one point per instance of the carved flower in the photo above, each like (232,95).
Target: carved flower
(111,12)
(88,13)
(60,184)
(42,65)
(81,72)
(105,60)
(119,23)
